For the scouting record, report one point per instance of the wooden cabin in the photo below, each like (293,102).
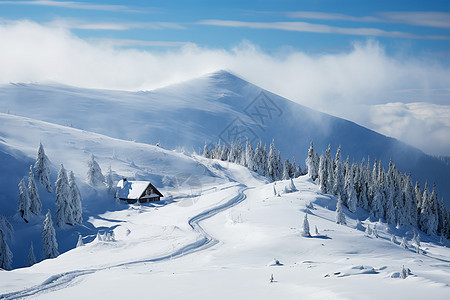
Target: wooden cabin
(132,191)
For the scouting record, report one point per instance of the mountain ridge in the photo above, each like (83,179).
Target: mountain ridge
(208,109)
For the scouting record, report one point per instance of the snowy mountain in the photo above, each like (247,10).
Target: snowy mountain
(220,230)
(217,106)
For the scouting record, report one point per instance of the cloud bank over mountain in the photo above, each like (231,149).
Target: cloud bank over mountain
(395,94)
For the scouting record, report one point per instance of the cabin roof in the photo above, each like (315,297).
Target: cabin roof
(134,189)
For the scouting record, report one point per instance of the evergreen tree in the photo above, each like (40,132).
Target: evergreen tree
(403,273)
(33,194)
(80,241)
(340,216)
(410,202)
(416,240)
(109,181)
(259,160)
(42,168)
(351,195)
(24,201)
(272,163)
(418,193)
(75,199)
(64,208)
(425,218)
(393,239)
(206,153)
(6,227)
(312,162)
(94,173)
(249,162)
(6,255)
(292,186)
(49,243)
(240,159)
(31,257)
(306,226)
(296,171)
(376,208)
(338,186)
(404,243)
(286,170)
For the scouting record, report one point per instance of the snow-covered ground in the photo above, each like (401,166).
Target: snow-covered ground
(176,250)
(219,228)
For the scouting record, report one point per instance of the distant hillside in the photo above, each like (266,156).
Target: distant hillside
(218,106)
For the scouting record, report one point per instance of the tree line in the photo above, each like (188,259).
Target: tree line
(386,194)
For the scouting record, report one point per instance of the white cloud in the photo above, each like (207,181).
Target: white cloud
(422,124)
(116,26)
(345,84)
(70,4)
(319,28)
(417,18)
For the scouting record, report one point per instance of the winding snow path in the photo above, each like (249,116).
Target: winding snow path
(62,280)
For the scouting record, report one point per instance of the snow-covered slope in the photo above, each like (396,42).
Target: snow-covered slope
(231,253)
(210,108)
(170,171)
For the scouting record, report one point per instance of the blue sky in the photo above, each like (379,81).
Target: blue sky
(382,64)
(312,25)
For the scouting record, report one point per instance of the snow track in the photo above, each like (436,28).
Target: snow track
(63,280)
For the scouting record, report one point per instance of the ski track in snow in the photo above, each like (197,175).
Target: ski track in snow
(63,280)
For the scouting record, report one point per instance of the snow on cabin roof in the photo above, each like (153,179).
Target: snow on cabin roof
(131,189)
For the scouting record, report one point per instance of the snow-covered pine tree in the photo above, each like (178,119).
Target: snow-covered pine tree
(433,204)
(24,202)
(295,170)
(109,181)
(403,273)
(352,199)
(393,239)
(416,240)
(410,202)
(425,217)
(6,255)
(330,169)
(94,173)
(6,227)
(286,170)
(369,230)
(33,194)
(404,243)
(249,162)
(225,152)
(232,154)
(340,216)
(418,193)
(259,159)
(31,257)
(64,209)
(80,241)
(75,199)
(338,184)
(49,243)
(206,153)
(312,162)
(292,186)
(272,163)
(375,207)
(42,168)
(323,175)
(306,226)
